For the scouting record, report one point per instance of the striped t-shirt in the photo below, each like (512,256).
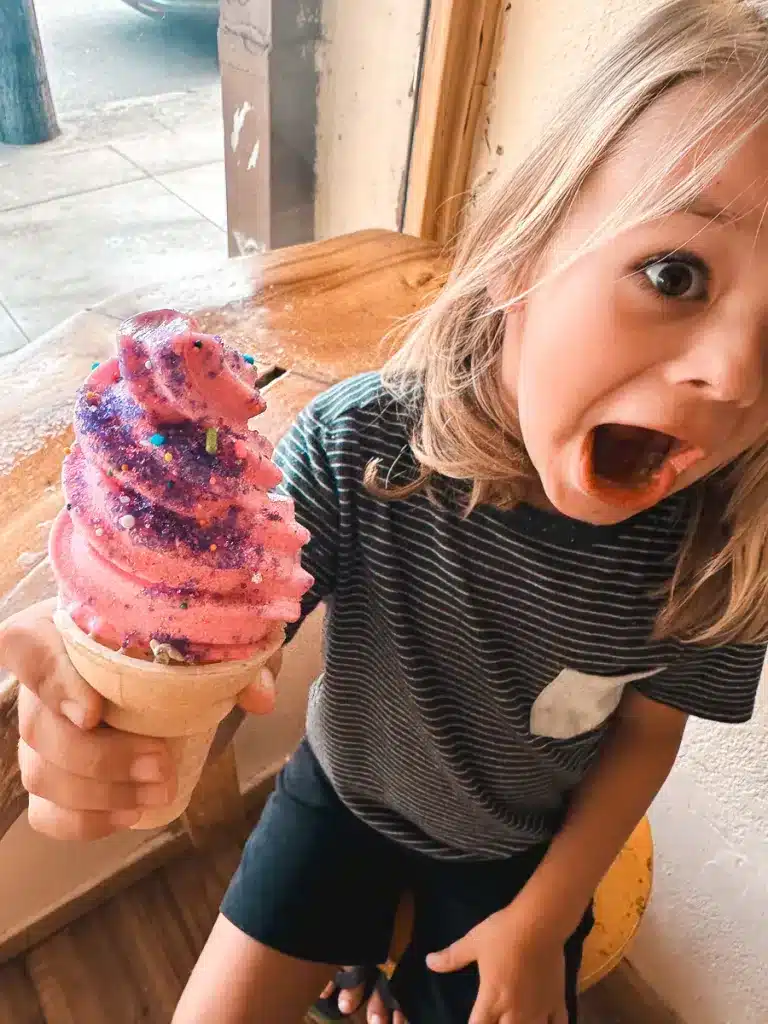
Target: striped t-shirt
(473,665)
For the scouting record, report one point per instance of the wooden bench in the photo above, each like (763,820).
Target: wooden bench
(311,315)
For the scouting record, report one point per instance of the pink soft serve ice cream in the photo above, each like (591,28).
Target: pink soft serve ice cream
(172,534)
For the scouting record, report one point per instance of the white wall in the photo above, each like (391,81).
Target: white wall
(368,63)
(704,944)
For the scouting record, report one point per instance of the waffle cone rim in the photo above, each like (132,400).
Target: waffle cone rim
(71,633)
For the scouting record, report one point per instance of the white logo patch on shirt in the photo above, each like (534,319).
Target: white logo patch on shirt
(575,703)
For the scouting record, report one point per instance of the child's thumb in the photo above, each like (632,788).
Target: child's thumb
(259,697)
(32,650)
(453,958)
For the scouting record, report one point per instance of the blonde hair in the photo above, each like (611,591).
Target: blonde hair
(446,373)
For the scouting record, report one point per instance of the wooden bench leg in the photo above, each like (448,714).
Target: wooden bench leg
(401,935)
(216,811)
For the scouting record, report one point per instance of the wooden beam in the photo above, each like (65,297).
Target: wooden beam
(19,1003)
(13,796)
(458,57)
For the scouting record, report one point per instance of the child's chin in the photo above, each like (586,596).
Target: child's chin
(573,503)
(579,493)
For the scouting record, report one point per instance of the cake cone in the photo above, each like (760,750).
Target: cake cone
(183,704)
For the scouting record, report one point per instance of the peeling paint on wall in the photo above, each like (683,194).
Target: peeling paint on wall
(238,122)
(253,159)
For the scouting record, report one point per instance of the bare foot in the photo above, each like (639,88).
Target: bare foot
(350,1000)
(377,1012)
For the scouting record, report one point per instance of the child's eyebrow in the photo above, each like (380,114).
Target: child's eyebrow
(745,205)
(709,210)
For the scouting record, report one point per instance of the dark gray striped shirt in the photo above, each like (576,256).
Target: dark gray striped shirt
(473,665)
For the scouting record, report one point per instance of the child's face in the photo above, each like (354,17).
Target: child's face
(632,337)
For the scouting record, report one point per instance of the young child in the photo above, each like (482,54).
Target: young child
(542,538)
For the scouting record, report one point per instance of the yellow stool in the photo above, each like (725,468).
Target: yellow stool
(620,905)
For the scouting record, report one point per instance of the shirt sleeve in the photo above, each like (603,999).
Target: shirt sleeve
(716,683)
(309,480)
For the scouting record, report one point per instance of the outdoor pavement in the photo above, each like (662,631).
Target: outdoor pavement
(131,192)
(99,51)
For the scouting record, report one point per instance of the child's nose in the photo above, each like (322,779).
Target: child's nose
(725,364)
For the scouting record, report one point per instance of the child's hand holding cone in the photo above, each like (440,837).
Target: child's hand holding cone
(86,782)
(178,565)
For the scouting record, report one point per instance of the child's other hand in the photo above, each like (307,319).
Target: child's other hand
(256,699)
(259,697)
(522,972)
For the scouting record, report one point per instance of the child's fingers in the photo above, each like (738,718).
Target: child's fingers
(460,954)
(61,823)
(275,663)
(32,649)
(105,754)
(76,793)
(487,1010)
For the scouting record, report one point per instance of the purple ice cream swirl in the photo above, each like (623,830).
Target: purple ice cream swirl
(171,531)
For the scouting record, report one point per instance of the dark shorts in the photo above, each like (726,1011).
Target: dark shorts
(318,884)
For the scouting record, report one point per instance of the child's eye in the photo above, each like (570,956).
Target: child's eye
(681,276)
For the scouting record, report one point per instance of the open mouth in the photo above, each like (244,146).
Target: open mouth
(629,465)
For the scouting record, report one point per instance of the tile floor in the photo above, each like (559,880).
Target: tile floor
(128,191)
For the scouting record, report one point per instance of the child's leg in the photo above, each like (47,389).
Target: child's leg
(315,887)
(240,981)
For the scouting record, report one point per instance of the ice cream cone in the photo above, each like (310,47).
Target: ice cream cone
(173,539)
(181,703)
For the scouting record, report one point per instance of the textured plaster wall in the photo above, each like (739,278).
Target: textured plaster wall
(545,44)
(368,62)
(704,944)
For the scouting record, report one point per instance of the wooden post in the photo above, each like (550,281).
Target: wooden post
(27,115)
(458,57)
(269,90)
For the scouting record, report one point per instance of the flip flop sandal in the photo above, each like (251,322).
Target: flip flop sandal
(327,1009)
(372,979)
(385,993)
